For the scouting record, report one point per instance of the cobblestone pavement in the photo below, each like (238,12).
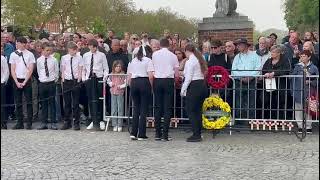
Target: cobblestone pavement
(69,154)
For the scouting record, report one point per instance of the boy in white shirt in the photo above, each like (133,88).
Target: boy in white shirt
(48,71)
(22,63)
(71,69)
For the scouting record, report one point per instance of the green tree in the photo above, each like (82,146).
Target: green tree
(302,14)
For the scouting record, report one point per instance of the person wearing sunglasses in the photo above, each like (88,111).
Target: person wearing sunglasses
(218,58)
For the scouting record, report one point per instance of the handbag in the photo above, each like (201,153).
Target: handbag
(313,104)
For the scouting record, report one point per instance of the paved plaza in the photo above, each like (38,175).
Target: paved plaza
(82,154)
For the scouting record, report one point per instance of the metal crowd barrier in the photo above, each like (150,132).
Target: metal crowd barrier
(253,104)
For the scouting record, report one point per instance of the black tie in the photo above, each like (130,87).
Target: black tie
(46,67)
(71,68)
(91,66)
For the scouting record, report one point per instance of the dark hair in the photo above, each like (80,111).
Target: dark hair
(78,35)
(216,42)
(148,51)
(100,35)
(181,50)
(47,44)
(203,64)
(274,34)
(140,54)
(22,40)
(306,52)
(164,42)
(93,43)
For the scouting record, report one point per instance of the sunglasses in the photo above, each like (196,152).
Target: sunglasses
(214,47)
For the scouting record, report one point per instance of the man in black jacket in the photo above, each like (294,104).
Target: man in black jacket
(116,54)
(217,58)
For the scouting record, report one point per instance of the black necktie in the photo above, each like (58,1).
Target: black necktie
(71,68)
(46,67)
(91,66)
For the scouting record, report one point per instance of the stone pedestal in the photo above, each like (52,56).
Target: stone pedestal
(226,28)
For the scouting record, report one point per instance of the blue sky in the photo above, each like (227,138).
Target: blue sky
(265,13)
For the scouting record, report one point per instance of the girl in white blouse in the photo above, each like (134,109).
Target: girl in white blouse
(195,89)
(140,71)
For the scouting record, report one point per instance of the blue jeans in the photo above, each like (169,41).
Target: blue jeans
(117,103)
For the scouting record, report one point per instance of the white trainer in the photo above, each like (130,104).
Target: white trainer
(102,125)
(119,129)
(90,126)
(115,129)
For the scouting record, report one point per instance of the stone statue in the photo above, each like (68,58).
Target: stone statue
(226,8)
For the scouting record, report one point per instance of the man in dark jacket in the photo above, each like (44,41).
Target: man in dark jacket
(293,48)
(217,58)
(116,54)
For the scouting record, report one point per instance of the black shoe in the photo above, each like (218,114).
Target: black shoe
(29,126)
(166,138)
(66,126)
(18,126)
(54,126)
(42,127)
(133,138)
(76,127)
(4,126)
(309,131)
(300,131)
(142,138)
(194,139)
(157,137)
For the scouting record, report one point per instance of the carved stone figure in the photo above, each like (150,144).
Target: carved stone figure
(226,8)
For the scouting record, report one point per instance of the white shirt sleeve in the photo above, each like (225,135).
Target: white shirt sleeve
(150,66)
(188,73)
(12,59)
(6,69)
(105,66)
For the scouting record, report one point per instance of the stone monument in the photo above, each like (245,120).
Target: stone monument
(226,24)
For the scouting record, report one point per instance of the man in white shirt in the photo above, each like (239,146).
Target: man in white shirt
(71,69)
(95,69)
(48,71)
(22,64)
(4,79)
(166,68)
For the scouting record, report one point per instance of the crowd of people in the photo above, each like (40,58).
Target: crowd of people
(62,74)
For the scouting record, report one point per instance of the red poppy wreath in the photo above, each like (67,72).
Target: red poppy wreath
(211,79)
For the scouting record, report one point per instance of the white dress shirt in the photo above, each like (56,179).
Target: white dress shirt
(165,63)
(100,65)
(4,70)
(53,68)
(192,72)
(141,68)
(21,69)
(77,63)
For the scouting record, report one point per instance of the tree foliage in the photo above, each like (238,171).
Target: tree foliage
(97,17)
(302,14)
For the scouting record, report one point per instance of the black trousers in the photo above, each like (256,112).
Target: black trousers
(3,104)
(196,94)
(141,94)
(94,92)
(71,93)
(163,92)
(27,92)
(10,96)
(47,93)
(83,99)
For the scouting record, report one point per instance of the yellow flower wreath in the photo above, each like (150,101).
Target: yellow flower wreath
(220,123)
